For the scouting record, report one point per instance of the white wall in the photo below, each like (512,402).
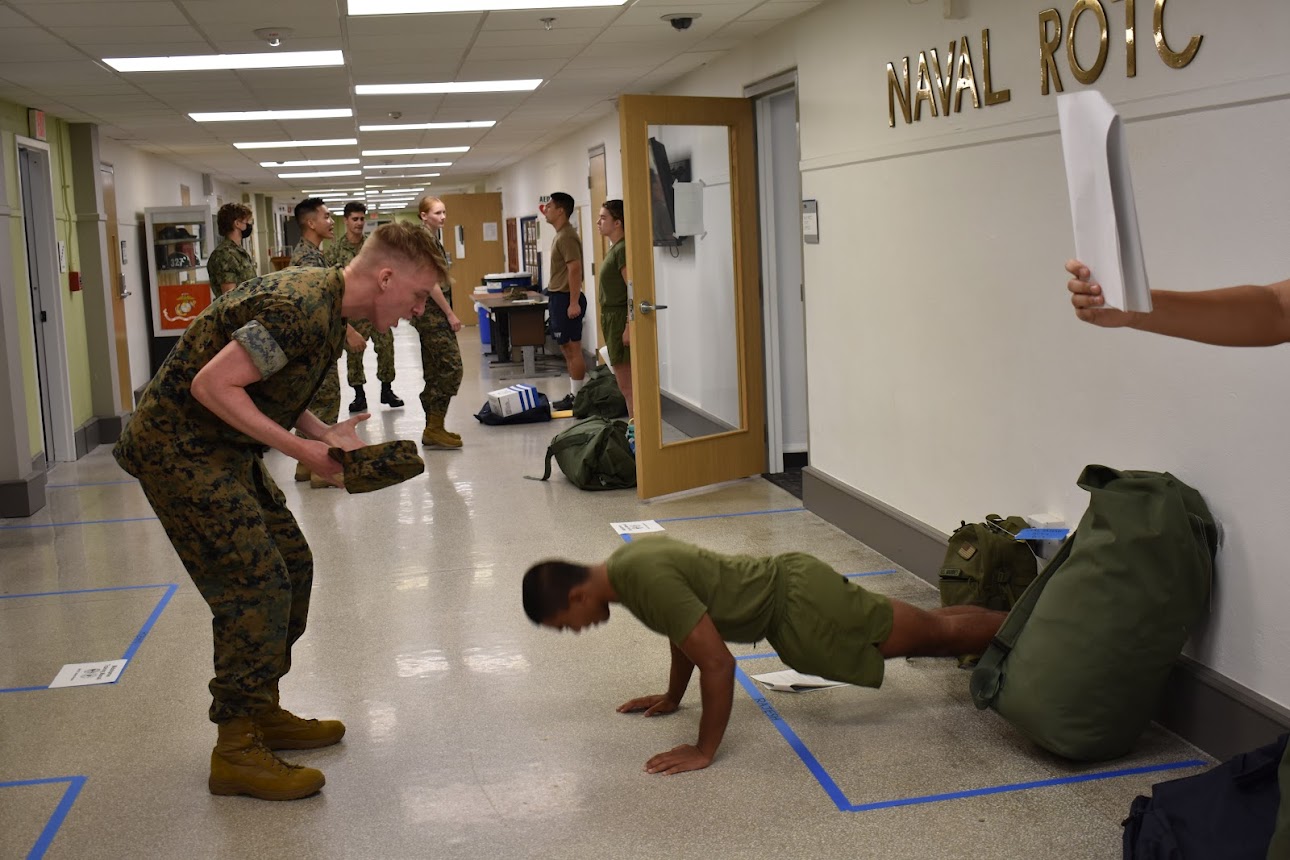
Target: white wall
(948,376)
(144,180)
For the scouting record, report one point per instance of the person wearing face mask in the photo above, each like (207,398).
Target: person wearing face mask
(230,264)
(440,353)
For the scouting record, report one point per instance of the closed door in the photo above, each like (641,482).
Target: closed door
(116,288)
(690,201)
(472,235)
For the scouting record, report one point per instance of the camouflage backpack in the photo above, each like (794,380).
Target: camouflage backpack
(986,565)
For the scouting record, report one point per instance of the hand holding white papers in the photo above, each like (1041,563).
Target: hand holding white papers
(1103,212)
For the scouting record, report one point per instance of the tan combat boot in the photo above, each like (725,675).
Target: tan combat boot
(318,482)
(437,437)
(241,764)
(282,730)
(302,472)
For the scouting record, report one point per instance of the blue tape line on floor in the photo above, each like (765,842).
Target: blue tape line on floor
(56,818)
(79,523)
(870,573)
(739,514)
(844,804)
(133,648)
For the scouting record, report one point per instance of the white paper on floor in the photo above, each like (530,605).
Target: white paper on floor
(637,527)
(789,681)
(84,674)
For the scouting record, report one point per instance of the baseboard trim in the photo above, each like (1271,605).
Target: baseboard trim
(1199,705)
(26,496)
(689,420)
(98,431)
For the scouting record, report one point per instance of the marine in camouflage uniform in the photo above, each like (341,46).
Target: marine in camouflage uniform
(221,509)
(326,402)
(338,252)
(229,263)
(440,365)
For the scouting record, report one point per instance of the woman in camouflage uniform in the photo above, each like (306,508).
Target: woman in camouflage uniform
(238,379)
(440,354)
(230,264)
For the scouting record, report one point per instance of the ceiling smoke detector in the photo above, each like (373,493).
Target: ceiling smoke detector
(273,35)
(547,22)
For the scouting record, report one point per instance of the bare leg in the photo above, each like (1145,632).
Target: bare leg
(945,632)
(573,359)
(623,373)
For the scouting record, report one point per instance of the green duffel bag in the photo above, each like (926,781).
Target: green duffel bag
(594,455)
(600,395)
(1081,661)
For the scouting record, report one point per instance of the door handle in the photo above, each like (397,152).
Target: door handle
(650,307)
(125,293)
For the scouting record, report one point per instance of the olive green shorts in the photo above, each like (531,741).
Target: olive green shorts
(613,322)
(829,626)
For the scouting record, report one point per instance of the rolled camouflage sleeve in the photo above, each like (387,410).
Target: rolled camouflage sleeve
(265,353)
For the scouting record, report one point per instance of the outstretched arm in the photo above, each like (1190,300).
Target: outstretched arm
(1233,316)
(707,650)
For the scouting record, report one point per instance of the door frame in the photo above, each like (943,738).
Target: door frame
(53,376)
(772,210)
(734,454)
(117,290)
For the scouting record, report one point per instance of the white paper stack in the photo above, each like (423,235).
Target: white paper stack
(1101,196)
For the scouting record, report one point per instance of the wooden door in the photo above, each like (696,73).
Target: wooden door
(512,247)
(697,334)
(480,218)
(598,184)
(116,287)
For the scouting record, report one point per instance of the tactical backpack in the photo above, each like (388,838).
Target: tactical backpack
(540,412)
(1080,662)
(600,395)
(986,565)
(594,455)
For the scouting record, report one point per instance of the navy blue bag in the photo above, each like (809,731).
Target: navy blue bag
(540,412)
(1227,812)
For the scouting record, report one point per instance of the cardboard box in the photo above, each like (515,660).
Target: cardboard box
(510,401)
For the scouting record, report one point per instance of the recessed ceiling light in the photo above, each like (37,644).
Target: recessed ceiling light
(421,7)
(432,149)
(285,144)
(320,173)
(447,87)
(407,166)
(437,126)
(317,162)
(209,62)
(250,115)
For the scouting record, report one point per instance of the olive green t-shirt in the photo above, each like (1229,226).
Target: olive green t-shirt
(613,289)
(566,249)
(229,263)
(669,585)
(289,322)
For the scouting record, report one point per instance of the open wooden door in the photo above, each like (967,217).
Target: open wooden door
(690,201)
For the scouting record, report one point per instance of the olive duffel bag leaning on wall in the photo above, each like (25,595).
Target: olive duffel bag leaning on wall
(1081,661)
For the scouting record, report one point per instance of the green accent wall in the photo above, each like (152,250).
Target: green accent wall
(13,123)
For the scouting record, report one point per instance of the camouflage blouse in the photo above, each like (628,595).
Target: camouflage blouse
(338,252)
(306,253)
(229,263)
(291,325)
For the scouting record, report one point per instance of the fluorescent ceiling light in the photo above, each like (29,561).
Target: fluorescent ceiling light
(436,126)
(250,115)
(209,62)
(319,174)
(317,162)
(406,166)
(327,191)
(419,7)
(283,144)
(428,150)
(406,176)
(447,87)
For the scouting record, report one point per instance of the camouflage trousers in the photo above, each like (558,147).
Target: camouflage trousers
(242,548)
(440,361)
(384,346)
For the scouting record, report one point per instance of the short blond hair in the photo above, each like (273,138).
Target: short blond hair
(403,241)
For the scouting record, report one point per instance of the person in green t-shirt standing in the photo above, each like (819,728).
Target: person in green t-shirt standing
(615,305)
(818,622)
